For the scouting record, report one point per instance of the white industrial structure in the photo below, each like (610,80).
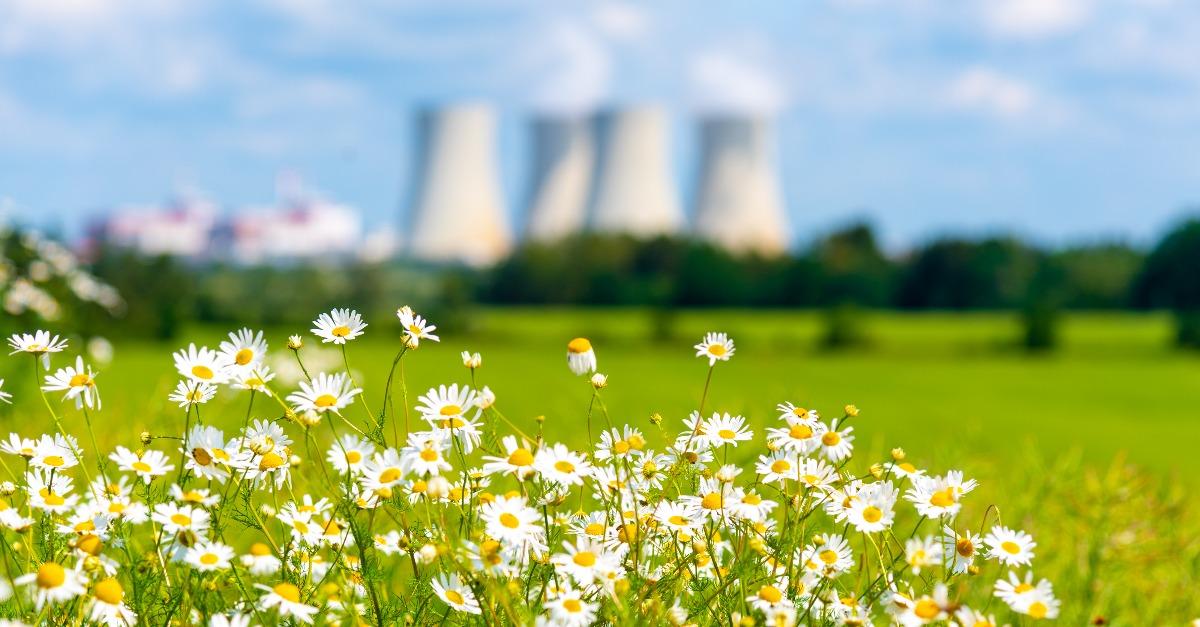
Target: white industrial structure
(458,214)
(299,229)
(563,160)
(739,204)
(634,188)
(182,228)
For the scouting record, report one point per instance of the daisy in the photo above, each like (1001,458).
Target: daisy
(349,453)
(581,359)
(779,466)
(108,604)
(925,609)
(874,509)
(828,556)
(260,561)
(1009,546)
(148,465)
(676,517)
(518,460)
(78,382)
(53,453)
(244,349)
(960,549)
(52,583)
(416,328)
(816,474)
(202,365)
(770,596)
(285,599)
(338,326)
(904,469)
(452,409)
(380,473)
(1013,591)
(206,453)
(19,446)
(714,501)
(425,454)
(568,608)
(509,519)
(194,496)
(750,505)
(836,445)
(1034,601)
(724,429)
(789,412)
(325,393)
(208,556)
(50,496)
(584,561)
(37,343)
(191,392)
(254,378)
(175,518)
(716,347)
(472,360)
(801,436)
(454,593)
(922,553)
(619,443)
(560,465)
(938,496)
(974,618)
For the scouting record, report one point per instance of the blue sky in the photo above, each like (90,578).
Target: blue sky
(1063,120)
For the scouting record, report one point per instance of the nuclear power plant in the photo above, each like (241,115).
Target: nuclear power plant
(458,210)
(739,204)
(608,173)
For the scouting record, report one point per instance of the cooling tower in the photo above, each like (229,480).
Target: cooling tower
(458,209)
(634,190)
(738,201)
(563,158)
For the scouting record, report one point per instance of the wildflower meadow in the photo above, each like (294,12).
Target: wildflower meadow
(326,503)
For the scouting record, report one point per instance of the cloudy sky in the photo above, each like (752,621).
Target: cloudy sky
(1064,120)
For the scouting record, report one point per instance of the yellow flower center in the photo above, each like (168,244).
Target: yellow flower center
(579,345)
(872,514)
(1037,609)
(712,500)
(510,521)
(594,529)
(520,457)
(325,400)
(800,431)
(1010,547)
(770,594)
(829,556)
(141,466)
(270,461)
(54,460)
(942,498)
(831,438)
(202,372)
(716,349)
(726,434)
(907,467)
(53,499)
(450,410)
(429,455)
(454,597)
(1022,587)
(80,380)
(389,475)
(288,592)
(926,609)
(584,558)
(258,549)
(564,466)
(109,591)
(780,466)
(182,520)
(50,575)
(353,457)
(752,499)
(964,547)
(573,606)
(201,456)
(677,520)
(208,559)
(244,357)
(340,331)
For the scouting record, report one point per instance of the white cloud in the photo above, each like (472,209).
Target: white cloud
(732,81)
(1033,18)
(573,66)
(987,91)
(622,21)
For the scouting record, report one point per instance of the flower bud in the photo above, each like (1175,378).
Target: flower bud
(295,342)
(428,554)
(145,437)
(877,471)
(898,454)
(850,410)
(437,487)
(656,418)
(599,381)
(7,488)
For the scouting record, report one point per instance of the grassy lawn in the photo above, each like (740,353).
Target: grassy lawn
(1084,446)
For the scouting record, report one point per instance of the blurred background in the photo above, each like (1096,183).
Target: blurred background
(975,220)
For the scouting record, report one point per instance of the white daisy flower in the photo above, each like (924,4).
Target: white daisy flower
(716,347)
(37,343)
(922,553)
(560,465)
(874,508)
(416,328)
(255,378)
(108,604)
(509,519)
(518,460)
(960,549)
(191,392)
(148,465)
(837,445)
(325,393)
(54,453)
(581,359)
(175,518)
(451,590)
(452,410)
(194,496)
(209,556)
(935,497)
(472,360)
(568,608)
(206,453)
(828,556)
(52,584)
(338,326)
(203,364)
(425,453)
(1010,547)
(284,598)
(244,349)
(260,561)
(79,382)
(722,429)
(770,596)
(349,453)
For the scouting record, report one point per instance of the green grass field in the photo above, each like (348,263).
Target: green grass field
(1087,446)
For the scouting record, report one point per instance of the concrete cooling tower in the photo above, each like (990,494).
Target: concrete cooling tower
(634,190)
(563,159)
(738,201)
(458,210)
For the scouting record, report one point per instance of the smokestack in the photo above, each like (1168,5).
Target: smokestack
(634,189)
(458,213)
(738,200)
(563,159)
